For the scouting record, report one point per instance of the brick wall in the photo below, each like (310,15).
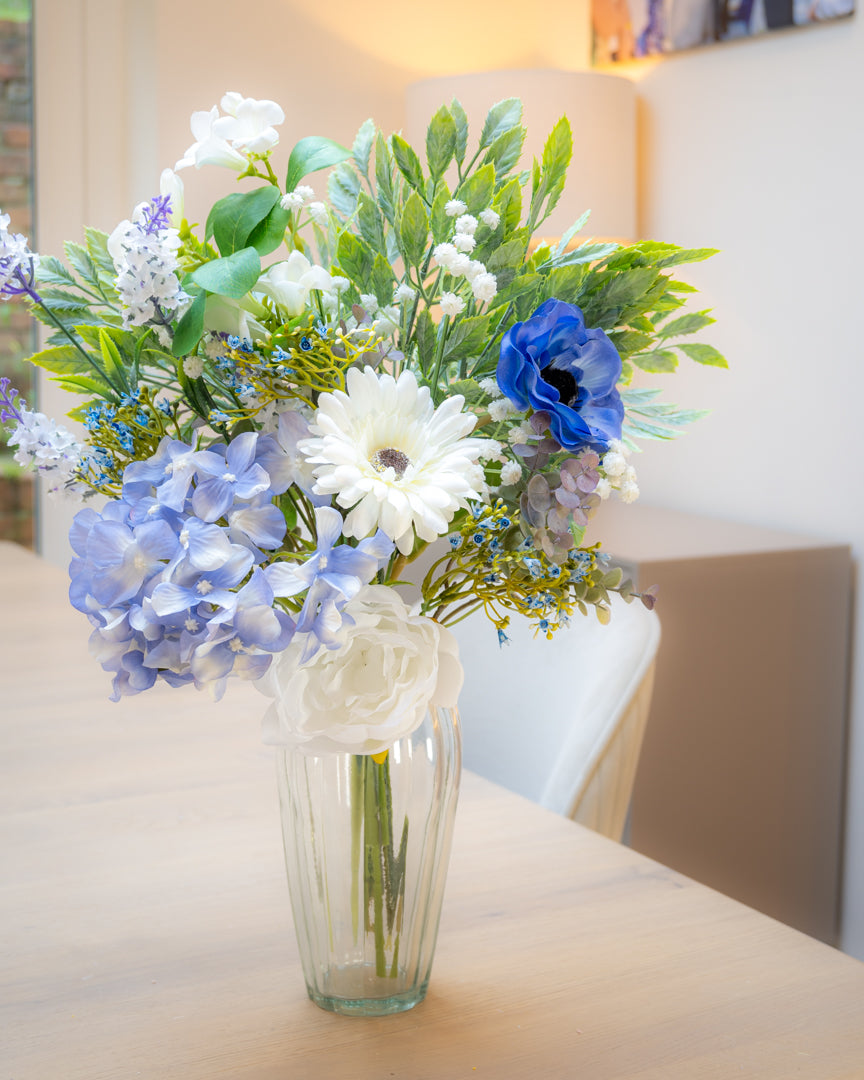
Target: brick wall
(16,329)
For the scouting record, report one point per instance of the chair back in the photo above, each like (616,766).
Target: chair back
(561,721)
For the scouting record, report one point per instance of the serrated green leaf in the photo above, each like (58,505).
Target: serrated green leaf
(505,151)
(685,255)
(686,324)
(97,248)
(311,154)
(369,222)
(476,191)
(500,118)
(269,234)
(630,341)
(460,119)
(568,235)
(61,360)
(407,162)
(523,285)
(470,391)
(508,204)
(83,384)
(383,280)
(505,260)
(190,328)
(385,190)
(656,361)
(414,230)
(231,276)
(112,360)
(440,142)
(362,146)
(80,259)
(424,331)
(53,272)
(703,354)
(566,283)
(233,218)
(343,187)
(466,337)
(440,224)
(355,259)
(585,253)
(557,152)
(680,286)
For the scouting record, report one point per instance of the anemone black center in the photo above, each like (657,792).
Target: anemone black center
(390,458)
(564,383)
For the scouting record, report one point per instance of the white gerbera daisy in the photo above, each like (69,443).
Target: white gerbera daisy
(386,452)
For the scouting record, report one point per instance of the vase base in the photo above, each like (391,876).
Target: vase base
(358,991)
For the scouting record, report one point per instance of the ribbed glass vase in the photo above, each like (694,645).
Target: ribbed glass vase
(367,842)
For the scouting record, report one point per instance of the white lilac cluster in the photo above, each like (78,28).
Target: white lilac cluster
(246,130)
(144,251)
(46,447)
(619,474)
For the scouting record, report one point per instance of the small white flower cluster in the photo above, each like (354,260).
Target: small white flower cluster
(145,260)
(455,256)
(483,284)
(388,317)
(619,474)
(297,198)
(14,255)
(500,408)
(47,448)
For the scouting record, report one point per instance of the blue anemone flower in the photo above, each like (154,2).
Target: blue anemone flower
(553,363)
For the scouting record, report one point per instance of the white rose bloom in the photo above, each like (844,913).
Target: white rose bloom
(373,688)
(384,451)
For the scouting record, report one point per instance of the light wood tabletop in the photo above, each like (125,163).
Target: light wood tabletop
(145,929)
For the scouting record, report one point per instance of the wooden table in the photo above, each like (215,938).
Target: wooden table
(145,929)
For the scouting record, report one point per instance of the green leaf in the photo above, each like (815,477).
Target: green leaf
(385,189)
(704,354)
(362,147)
(53,272)
(508,204)
(97,249)
(505,151)
(424,330)
(630,341)
(269,234)
(414,230)
(383,280)
(190,328)
(355,259)
(369,222)
(233,218)
(527,284)
(685,255)
(476,191)
(557,152)
(658,361)
(470,390)
(686,324)
(407,162)
(500,118)
(460,119)
(505,260)
(343,187)
(566,283)
(83,384)
(82,263)
(232,276)
(440,142)
(61,360)
(440,223)
(112,360)
(311,154)
(467,337)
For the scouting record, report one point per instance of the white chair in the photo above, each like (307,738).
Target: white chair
(561,721)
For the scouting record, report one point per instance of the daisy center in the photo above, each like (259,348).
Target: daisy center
(390,458)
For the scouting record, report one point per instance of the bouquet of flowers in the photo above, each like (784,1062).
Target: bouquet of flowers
(285,408)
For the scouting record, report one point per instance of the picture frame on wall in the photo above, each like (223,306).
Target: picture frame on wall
(629,29)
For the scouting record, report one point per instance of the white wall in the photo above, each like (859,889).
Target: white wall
(758,148)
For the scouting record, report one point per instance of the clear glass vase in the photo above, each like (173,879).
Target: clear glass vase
(367,841)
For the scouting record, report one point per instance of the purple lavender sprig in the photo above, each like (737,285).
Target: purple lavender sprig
(17,264)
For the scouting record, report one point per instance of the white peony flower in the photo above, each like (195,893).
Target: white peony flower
(383,450)
(290,282)
(373,688)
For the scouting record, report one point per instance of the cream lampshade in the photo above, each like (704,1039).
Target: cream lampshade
(602,114)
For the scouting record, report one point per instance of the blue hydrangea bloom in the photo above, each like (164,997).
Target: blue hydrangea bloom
(553,363)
